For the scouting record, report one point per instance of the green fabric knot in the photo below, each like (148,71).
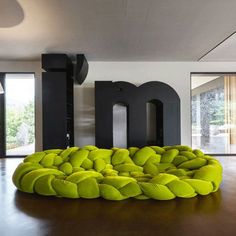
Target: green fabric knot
(160,173)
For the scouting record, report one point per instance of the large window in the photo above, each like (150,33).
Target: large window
(19,118)
(214,113)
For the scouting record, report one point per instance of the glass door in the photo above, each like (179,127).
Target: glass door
(19,122)
(214,113)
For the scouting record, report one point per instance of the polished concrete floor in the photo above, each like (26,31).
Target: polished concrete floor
(28,214)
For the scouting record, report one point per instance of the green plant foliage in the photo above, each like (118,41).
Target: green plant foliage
(15,119)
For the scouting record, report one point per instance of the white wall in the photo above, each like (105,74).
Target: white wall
(176,74)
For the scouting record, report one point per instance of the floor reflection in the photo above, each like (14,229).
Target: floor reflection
(102,217)
(35,206)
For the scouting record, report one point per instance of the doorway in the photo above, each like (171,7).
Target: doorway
(17,117)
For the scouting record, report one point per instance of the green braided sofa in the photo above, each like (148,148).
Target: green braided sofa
(160,173)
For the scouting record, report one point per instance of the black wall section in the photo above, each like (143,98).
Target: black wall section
(58,105)
(108,93)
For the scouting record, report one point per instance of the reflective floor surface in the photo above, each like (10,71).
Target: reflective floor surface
(29,214)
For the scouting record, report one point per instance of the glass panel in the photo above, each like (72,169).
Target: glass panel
(151,123)
(120,126)
(20,110)
(213,113)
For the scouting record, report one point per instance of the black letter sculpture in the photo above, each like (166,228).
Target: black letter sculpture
(58,110)
(108,93)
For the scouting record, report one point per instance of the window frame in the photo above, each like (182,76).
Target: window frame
(206,73)
(3,115)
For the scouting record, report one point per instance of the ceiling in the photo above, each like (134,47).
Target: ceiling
(199,80)
(118,30)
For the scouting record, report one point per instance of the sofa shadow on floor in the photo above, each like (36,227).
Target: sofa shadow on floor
(102,217)
(34,206)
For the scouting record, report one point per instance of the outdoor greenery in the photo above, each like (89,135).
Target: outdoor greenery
(214,104)
(20,126)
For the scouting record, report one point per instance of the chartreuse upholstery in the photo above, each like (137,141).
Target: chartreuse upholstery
(160,173)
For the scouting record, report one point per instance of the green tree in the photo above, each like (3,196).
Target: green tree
(14,120)
(28,117)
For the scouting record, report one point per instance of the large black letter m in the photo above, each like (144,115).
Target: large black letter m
(166,100)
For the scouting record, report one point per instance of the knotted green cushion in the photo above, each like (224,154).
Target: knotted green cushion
(160,173)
